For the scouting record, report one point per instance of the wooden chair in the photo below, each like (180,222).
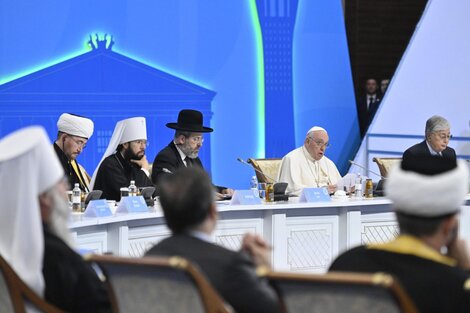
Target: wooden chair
(14,293)
(386,164)
(157,285)
(340,292)
(270,167)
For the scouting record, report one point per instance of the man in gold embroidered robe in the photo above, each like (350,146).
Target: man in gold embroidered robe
(73,135)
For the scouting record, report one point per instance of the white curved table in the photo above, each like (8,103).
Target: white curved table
(304,236)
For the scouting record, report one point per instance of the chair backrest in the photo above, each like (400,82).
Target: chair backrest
(341,292)
(386,164)
(157,285)
(270,167)
(6,303)
(14,293)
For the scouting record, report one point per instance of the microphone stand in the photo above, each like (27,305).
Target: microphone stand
(365,168)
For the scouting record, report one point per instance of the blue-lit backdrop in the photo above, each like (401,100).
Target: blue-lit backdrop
(214,45)
(323,89)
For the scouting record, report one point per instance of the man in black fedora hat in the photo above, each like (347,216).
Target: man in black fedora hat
(183,150)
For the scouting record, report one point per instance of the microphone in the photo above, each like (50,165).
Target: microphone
(365,168)
(246,163)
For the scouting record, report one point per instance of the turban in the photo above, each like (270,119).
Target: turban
(428,186)
(75,125)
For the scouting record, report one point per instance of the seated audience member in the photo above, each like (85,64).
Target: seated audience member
(183,150)
(124,160)
(437,135)
(428,258)
(33,190)
(187,200)
(308,166)
(73,135)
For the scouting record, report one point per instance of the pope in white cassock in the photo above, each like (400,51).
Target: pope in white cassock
(308,166)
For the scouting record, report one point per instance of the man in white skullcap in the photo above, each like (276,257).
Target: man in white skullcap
(74,132)
(428,258)
(124,160)
(34,237)
(308,166)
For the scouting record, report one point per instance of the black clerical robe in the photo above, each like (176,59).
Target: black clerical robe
(432,281)
(115,173)
(71,284)
(73,176)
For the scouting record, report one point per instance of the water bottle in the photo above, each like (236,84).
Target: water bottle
(358,186)
(132,189)
(254,185)
(76,198)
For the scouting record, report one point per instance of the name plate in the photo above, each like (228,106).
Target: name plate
(134,204)
(98,208)
(245,197)
(314,195)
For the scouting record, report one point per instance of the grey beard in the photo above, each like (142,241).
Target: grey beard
(59,219)
(187,151)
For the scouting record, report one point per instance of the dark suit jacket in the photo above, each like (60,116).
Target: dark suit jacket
(71,283)
(231,273)
(115,173)
(366,115)
(422,149)
(170,159)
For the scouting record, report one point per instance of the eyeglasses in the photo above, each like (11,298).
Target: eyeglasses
(141,143)
(197,139)
(79,142)
(320,143)
(444,136)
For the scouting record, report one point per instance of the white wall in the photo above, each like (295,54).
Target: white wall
(433,78)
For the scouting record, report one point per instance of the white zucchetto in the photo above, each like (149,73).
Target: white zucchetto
(316,128)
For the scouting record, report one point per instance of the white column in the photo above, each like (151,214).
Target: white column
(279,237)
(118,239)
(349,229)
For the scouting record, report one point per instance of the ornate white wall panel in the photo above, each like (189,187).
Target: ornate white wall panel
(311,242)
(378,228)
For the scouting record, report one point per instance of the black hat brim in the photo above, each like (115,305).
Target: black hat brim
(190,128)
